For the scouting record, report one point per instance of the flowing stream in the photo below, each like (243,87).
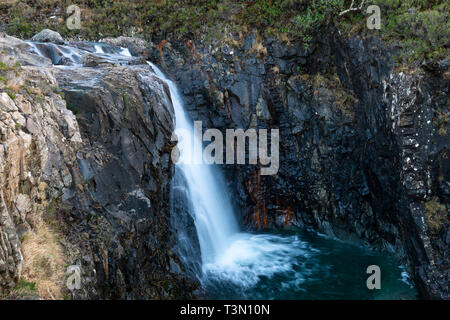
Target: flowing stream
(243,265)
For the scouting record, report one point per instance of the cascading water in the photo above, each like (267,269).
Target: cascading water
(235,264)
(214,218)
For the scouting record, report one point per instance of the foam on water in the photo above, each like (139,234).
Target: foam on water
(252,256)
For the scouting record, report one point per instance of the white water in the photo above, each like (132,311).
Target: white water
(125,52)
(227,253)
(98,49)
(214,219)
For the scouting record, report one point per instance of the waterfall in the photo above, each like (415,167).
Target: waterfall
(237,264)
(214,217)
(228,255)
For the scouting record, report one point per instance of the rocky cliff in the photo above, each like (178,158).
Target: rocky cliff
(85,154)
(363,153)
(363,146)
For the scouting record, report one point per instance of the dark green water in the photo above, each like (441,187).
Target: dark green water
(302,266)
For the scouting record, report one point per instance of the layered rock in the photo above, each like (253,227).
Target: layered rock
(418,108)
(38,142)
(107,171)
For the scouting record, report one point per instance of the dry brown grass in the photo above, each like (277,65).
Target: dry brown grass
(44,261)
(259,50)
(440,121)
(436,214)
(13,86)
(343,99)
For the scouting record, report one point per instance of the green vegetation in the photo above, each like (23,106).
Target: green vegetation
(24,290)
(10,92)
(72,108)
(164,19)
(4,68)
(18,26)
(26,285)
(419,28)
(125,101)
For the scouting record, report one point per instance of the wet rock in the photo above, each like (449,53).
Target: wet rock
(91,60)
(48,35)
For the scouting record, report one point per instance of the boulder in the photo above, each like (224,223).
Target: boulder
(48,35)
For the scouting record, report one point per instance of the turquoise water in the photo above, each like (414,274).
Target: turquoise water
(302,266)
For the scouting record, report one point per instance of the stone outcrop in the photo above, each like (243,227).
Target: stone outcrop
(349,125)
(94,142)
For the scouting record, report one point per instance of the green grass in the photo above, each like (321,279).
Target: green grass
(125,101)
(16,67)
(26,285)
(10,93)
(4,66)
(18,26)
(168,18)
(24,290)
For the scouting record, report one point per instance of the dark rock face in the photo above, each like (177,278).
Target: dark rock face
(341,111)
(418,103)
(126,120)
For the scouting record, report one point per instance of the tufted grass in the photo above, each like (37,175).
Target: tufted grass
(44,261)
